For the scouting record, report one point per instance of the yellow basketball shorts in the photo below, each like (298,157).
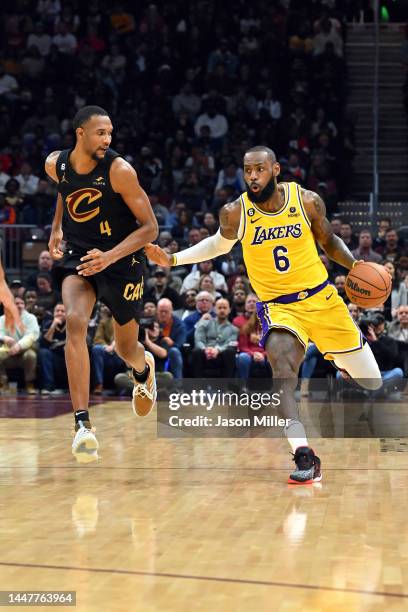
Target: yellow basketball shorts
(322,318)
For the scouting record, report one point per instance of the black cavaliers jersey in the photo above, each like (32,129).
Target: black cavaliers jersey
(94,215)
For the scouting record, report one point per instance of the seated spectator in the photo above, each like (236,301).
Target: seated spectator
(392,302)
(217,123)
(215,344)
(340,284)
(385,349)
(391,250)
(250,307)
(155,343)
(398,330)
(30,299)
(4,178)
(103,355)
(149,310)
(364,250)
(346,234)
(46,296)
(384,224)
(189,305)
(18,349)
(251,356)
(27,180)
(161,289)
(13,196)
(39,39)
(402,294)
(232,176)
(45,264)
(173,332)
(8,215)
(203,311)
(205,267)
(327,34)
(238,303)
(206,283)
(17,288)
(52,353)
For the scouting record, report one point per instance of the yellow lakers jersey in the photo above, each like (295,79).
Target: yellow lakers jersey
(279,248)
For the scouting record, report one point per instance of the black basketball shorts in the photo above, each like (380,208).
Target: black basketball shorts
(120,286)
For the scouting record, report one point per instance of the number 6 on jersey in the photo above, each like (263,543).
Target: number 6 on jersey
(282,263)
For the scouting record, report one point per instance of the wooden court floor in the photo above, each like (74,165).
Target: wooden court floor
(197,524)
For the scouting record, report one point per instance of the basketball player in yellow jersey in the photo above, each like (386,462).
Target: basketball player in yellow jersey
(278,226)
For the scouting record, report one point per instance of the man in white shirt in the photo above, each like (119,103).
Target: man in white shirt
(3,180)
(205,267)
(65,41)
(39,39)
(28,182)
(216,122)
(18,348)
(8,84)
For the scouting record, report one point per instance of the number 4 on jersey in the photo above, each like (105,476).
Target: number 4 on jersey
(105,228)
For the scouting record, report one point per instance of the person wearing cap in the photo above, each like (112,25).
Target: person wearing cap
(161,289)
(17,288)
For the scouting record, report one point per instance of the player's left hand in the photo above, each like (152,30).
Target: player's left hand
(93,262)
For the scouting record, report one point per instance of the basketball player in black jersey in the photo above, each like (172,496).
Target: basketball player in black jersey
(105,218)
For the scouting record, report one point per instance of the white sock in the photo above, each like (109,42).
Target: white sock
(296,435)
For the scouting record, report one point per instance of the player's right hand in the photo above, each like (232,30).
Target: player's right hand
(157,255)
(54,244)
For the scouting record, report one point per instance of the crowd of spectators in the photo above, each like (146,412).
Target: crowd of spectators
(189,87)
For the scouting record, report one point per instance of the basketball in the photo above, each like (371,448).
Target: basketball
(368,284)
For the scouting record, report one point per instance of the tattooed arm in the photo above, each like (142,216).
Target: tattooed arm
(333,246)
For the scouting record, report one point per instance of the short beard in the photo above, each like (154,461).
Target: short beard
(97,158)
(264,195)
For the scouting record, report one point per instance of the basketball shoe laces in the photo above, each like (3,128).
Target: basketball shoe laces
(141,390)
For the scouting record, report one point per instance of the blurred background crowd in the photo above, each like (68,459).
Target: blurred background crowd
(189,87)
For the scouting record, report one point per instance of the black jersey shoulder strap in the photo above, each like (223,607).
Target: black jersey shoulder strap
(61,165)
(110,156)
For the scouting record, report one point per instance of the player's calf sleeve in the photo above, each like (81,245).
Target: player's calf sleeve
(362,367)
(296,435)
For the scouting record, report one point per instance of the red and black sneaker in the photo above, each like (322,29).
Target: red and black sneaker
(307,467)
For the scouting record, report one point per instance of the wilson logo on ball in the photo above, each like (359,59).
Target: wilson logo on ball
(357,288)
(85,197)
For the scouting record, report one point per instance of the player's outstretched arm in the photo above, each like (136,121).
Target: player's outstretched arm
(124,181)
(213,246)
(54,243)
(333,246)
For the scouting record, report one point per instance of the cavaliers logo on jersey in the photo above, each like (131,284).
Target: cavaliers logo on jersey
(78,204)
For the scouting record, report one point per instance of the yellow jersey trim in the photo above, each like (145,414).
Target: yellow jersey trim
(245,221)
(302,208)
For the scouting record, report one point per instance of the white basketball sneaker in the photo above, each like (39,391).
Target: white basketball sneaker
(144,395)
(85,445)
